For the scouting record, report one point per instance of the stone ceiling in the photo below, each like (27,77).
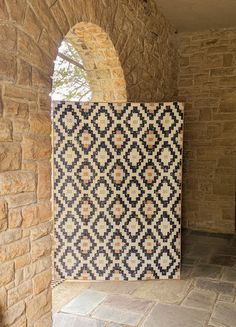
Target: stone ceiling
(198,15)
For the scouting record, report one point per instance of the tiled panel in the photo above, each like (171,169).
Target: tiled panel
(117,181)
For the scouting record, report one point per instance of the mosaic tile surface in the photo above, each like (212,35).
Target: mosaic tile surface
(117,181)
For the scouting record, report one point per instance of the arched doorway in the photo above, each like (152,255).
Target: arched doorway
(105,78)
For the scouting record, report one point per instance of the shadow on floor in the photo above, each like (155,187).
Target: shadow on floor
(204,297)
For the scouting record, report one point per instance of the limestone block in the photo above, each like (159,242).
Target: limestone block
(5,130)
(3,215)
(35,147)
(29,215)
(13,250)
(44,181)
(41,247)
(3,298)
(21,199)
(39,305)
(9,236)
(41,230)
(10,156)
(7,273)
(8,67)
(14,313)
(20,292)
(24,73)
(17,92)
(47,19)
(15,109)
(8,37)
(44,211)
(60,18)
(32,24)
(17,181)
(42,281)
(40,124)
(3,10)
(22,261)
(17,9)
(32,52)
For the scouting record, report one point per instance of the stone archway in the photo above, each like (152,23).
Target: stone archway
(104,72)
(107,83)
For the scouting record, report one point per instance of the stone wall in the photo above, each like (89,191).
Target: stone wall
(30,33)
(207,83)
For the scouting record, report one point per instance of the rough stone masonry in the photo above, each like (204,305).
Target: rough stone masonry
(30,34)
(207,85)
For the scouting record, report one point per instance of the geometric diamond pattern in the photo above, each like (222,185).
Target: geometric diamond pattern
(117,190)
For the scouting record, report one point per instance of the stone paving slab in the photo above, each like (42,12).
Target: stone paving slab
(215,286)
(224,315)
(69,320)
(164,291)
(122,310)
(223,260)
(206,270)
(84,303)
(116,287)
(200,300)
(166,315)
(229,275)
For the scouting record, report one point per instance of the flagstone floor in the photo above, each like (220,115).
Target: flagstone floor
(204,297)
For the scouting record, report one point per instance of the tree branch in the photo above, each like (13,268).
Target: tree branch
(70,60)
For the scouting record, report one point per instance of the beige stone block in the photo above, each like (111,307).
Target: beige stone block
(45,16)
(22,261)
(227,60)
(3,10)
(29,216)
(15,109)
(3,299)
(29,165)
(45,321)
(8,37)
(10,156)
(41,230)
(14,313)
(35,147)
(43,263)
(44,211)
(39,305)
(24,73)
(44,102)
(40,124)
(60,18)
(7,272)
(205,114)
(20,128)
(47,43)
(41,79)
(20,292)
(3,215)
(32,24)
(32,53)
(41,247)
(5,130)
(17,9)
(21,199)
(7,67)
(17,92)
(13,250)
(9,236)
(44,181)
(16,182)
(42,281)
